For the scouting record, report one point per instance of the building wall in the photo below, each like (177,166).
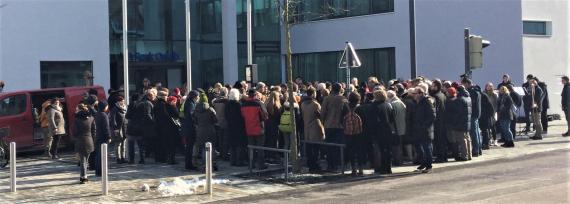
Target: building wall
(365,32)
(548,57)
(439,38)
(440,25)
(52,30)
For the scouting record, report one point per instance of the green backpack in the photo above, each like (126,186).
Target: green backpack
(285,122)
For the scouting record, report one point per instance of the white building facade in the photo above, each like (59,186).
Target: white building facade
(46,44)
(546,44)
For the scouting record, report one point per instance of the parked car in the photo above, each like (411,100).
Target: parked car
(19,112)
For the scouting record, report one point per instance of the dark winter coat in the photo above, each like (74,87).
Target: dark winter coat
(487,118)
(475,95)
(381,121)
(463,95)
(103,128)
(505,103)
(134,128)
(219,105)
(457,115)
(545,101)
(165,115)
(117,119)
(236,124)
(422,120)
(84,133)
(439,124)
(411,105)
(566,97)
(205,121)
(188,126)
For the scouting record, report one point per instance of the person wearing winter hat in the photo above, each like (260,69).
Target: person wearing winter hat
(457,119)
(188,128)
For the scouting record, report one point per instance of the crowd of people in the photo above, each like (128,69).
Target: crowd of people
(401,122)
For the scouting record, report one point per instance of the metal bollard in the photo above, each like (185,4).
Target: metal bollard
(209,165)
(104,170)
(12,167)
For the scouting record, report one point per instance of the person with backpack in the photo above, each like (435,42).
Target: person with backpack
(422,127)
(385,129)
(353,135)
(285,126)
(313,128)
(334,108)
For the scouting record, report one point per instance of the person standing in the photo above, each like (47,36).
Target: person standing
(313,128)
(235,133)
(103,135)
(505,115)
(222,139)
(56,123)
(422,127)
(354,138)
(566,103)
(134,130)
(486,121)
(492,96)
(147,118)
(44,123)
(274,110)
(400,125)
(506,81)
(528,101)
(118,126)
(334,108)
(385,131)
(537,97)
(440,138)
(84,132)
(189,128)
(475,95)
(463,95)
(205,121)
(545,106)
(254,114)
(457,118)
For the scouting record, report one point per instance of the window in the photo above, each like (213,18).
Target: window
(537,27)
(323,66)
(13,105)
(329,9)
(55,74)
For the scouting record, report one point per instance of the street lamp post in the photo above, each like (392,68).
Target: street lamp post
(125,53)
(249,34)
(188,49)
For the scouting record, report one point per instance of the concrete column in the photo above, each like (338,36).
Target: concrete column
(230,41)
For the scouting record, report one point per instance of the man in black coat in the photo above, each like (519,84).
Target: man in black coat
(146,107)
(566,102)
(440,137)
(545,106)
(188,128)
(527,99)
(422,127)
(475,95)
(457,118)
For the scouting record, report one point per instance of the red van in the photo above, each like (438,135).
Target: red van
(19,113)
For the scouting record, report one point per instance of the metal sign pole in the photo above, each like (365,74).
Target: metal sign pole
(209,165)
(125,53)
(466,36)
(188,49)
(348,67)
(104,170)
(13,167)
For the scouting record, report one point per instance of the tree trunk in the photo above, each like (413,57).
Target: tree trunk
(289,73)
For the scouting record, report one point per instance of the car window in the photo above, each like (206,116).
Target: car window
(13,105)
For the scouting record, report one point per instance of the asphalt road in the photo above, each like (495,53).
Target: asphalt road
(537,178)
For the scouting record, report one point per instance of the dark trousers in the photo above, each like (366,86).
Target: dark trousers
(567,115)
(544,120)
(441,144)
(486,133)
(333,135)
(513,128)
(424,151)
(527,118)
(170,149)
(385,159)
(189,152)
(355,150)
(237,153)
(313,157)
(494,130)
(131,141)
(259,155)
(98,158)
(222,142)
(55,144)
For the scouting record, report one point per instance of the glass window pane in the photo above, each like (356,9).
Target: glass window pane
(359,7)
(534,28)
(13,105)
(55,74)
(382,6)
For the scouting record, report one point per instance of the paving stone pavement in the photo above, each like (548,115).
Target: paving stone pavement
(48,181)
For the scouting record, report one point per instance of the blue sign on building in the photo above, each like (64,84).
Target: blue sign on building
(154,57)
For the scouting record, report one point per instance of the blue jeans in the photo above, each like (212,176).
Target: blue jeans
(475,137)
(506,133)
(425,152)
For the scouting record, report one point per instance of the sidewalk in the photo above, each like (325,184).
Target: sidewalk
(48,181)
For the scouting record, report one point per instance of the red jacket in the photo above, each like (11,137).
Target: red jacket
(254,113)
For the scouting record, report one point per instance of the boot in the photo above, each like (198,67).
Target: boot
(47,154)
